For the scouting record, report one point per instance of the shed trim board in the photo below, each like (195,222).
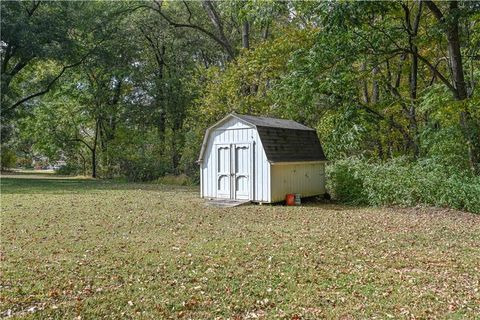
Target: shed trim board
(295,162)
(234,163)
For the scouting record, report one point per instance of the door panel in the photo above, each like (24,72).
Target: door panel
(223,171)
(241,172)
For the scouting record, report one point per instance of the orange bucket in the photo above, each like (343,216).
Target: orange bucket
(290,199)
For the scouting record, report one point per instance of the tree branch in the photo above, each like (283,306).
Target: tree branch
(435,71)
(434,9)
(220,40)
(31,11)
(82,141)
(50,84)
(390,120)
(159,52)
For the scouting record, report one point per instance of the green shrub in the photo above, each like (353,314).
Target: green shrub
(24,163)
(188,164)
(403,183)
(143,169)
(69,170)
(343,185)
(8,158)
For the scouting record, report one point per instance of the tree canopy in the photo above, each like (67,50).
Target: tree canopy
(128,88)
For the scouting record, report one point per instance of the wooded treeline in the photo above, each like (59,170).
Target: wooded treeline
(128,88)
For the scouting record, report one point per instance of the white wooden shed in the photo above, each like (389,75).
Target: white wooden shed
(260,159)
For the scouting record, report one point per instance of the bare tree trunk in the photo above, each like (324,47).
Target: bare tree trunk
(412,117)
(246,35)
(375,88)
(175,153)
(374,99)
(455,53)
(378,142)
(94,163)
(94,151)
(265,31)
(366,96)
(84,163)
(413,80)
(453,39)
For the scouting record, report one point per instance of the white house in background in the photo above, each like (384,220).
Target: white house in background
(260,159)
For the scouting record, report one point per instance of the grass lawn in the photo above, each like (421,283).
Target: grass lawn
(94,249)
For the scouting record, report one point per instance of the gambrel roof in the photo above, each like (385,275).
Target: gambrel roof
(282,140)
(272,122)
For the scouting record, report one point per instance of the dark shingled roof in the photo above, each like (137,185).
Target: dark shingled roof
(273,122)
(289,145)
(286,140)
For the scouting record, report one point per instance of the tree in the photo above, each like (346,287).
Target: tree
(144,79)
(33,33)
(449,22)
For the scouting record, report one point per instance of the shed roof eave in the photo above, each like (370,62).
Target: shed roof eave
(278,163)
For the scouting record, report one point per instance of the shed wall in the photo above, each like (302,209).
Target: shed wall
(308,179)
(235,131)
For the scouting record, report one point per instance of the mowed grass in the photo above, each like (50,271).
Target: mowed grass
(97,249)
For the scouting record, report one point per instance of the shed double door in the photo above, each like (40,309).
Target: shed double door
(233,165)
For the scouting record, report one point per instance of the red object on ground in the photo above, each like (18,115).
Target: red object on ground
(290,199)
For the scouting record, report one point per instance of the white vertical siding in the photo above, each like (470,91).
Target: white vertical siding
(236,131)
(308,179)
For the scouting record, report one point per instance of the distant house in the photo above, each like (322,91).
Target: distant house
(260,159)
(40,162)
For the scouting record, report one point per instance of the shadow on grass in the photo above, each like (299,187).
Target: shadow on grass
(29,173)
(24,185)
